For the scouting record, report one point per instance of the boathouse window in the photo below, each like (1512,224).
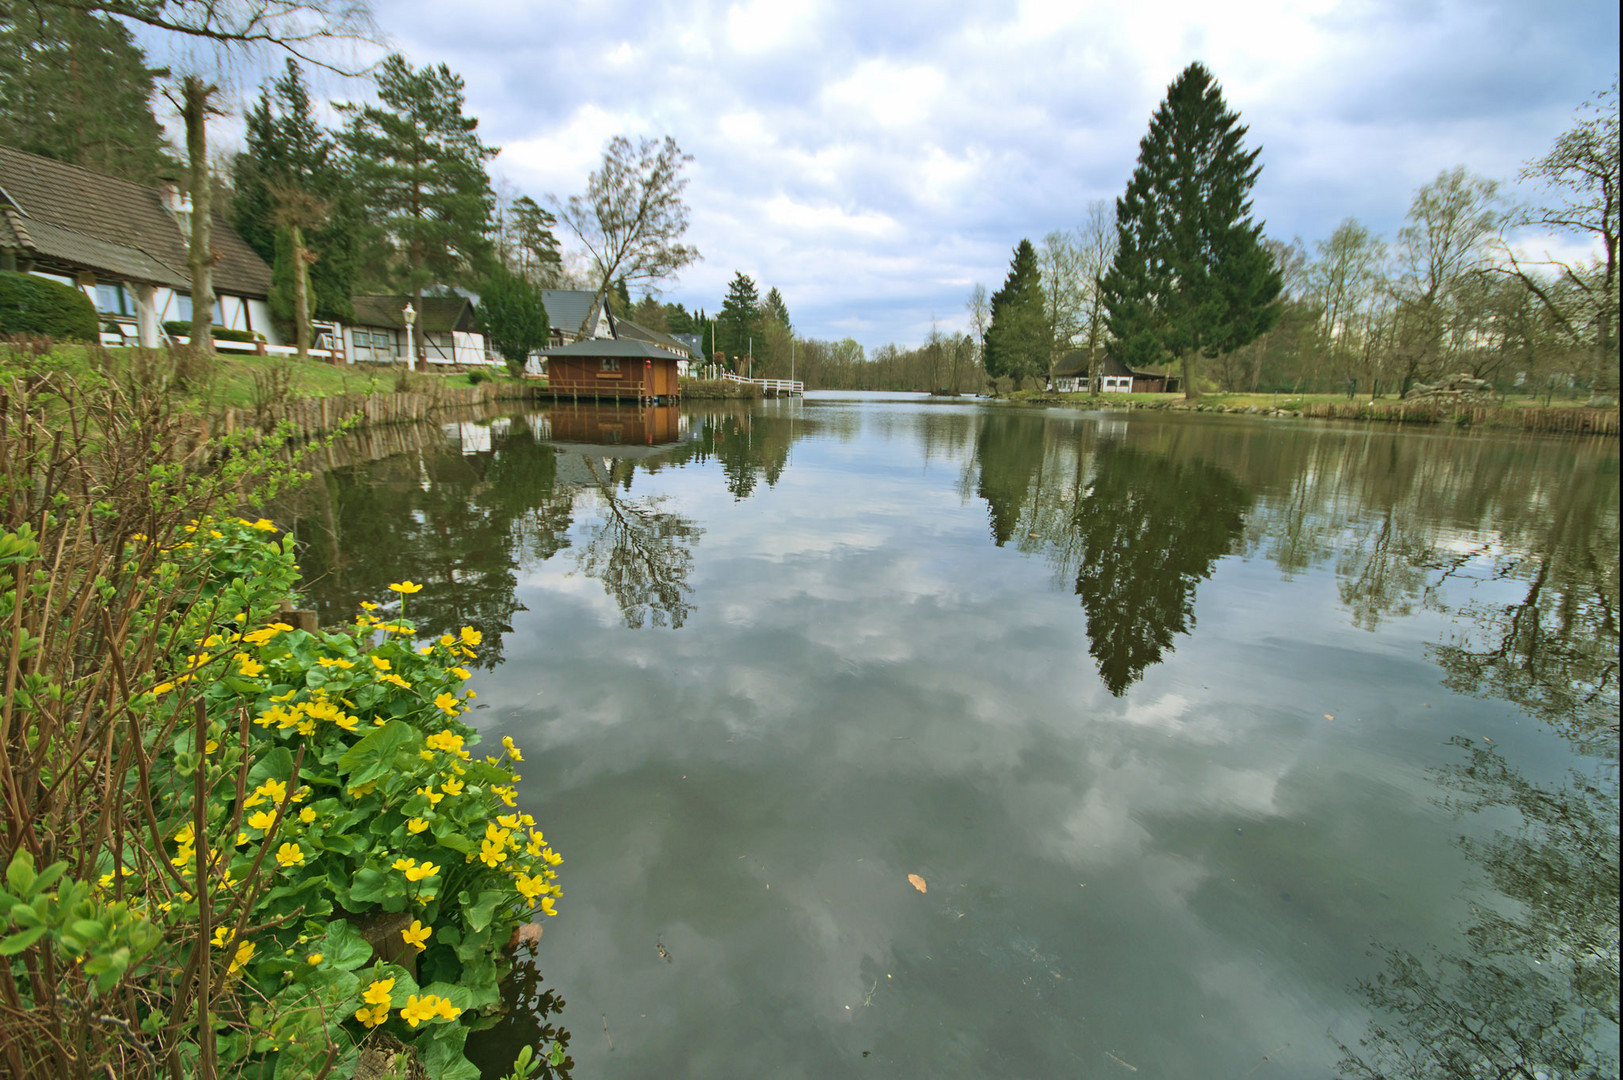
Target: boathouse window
(610,364)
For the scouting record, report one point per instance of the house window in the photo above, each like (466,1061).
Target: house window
(611,364)
(111,300)
(183,304)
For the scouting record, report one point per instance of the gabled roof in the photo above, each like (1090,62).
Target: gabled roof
(567,308)
(1071,364)
(625,328)
(69,218)
(621,348)
(438,314)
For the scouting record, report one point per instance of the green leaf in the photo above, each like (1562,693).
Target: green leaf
(16,943)
(373,756)
(344,947)
(479,913)
(20,873)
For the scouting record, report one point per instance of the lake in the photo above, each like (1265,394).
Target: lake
(890,737)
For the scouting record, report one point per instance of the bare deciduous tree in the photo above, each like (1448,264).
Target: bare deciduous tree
(632,215)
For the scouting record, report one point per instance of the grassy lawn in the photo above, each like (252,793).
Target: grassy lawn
(235,380)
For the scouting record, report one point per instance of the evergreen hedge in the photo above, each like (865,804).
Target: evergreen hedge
(35,305)
(175,328)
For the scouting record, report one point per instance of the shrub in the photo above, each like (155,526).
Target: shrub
(209,802)
(35,305)
(477,376)
(175,328)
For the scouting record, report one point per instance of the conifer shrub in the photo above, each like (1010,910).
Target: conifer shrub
(38,306)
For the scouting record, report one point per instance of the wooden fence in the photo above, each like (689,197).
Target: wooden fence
(316,416)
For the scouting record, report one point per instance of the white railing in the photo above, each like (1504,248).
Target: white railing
(774,386)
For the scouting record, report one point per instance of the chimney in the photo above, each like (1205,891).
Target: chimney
(172,198)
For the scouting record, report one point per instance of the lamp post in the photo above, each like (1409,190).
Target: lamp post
(411,351)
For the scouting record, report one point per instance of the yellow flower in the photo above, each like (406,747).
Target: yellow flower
(434,797)
(289,855)
(530,887)
(416,935)
(379,663)
(260,637)
(307,815)
(424,650)
(405,587)
(397,680)
(185,835)
(378,992)
(222,935)
(416,825)
(247,665)
(314,958)
(552,857)
(273,790)
(245,952)
(374,1016)
(262,525)
(418,873)
(492,853)
(447,640)
(452,787)
(512,750)
(337,662)
(261,820)
(462,673)
(533,848)
(506,795)
(448,741)
(470,636)
(446,704)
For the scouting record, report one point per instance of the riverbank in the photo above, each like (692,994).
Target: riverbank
(1568,419)
(265,848)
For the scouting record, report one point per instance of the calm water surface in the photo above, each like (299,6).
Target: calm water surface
(1192,727)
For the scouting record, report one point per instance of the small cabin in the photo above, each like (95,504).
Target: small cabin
(610,368)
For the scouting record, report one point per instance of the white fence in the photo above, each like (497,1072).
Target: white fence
(792,387)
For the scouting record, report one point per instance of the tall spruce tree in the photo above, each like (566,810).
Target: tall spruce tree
(776,309)
(292,176)
(740,319)
(420,168)
(1017,340)
(538,257)
(75,87)
(1191,277)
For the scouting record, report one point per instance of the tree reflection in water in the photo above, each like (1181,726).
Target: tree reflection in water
(642,555)
(1535,993)
(1147,530)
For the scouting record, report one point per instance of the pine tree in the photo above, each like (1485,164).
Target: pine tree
(776,309)
(1191,277)
(539,257)
(75,87)
(420,167)
(678,320)
(1017,338)
(740,318)
(291,160)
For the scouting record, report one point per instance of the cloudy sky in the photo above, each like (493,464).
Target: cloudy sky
(875,161)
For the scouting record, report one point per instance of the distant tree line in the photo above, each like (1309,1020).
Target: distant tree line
(1180,278)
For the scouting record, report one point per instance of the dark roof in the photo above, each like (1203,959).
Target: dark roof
(70,217)
(437,315)
(1072,363)
(1110,366)
(621,348)
(567,308)
(625,328)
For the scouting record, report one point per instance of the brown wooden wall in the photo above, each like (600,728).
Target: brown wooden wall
(636,378)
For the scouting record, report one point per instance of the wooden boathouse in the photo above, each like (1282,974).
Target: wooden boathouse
(612,368)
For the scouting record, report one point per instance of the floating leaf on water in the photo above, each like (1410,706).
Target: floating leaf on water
(917,882)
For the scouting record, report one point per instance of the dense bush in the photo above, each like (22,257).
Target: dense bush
(176,328)
(34,305)
(217,814)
